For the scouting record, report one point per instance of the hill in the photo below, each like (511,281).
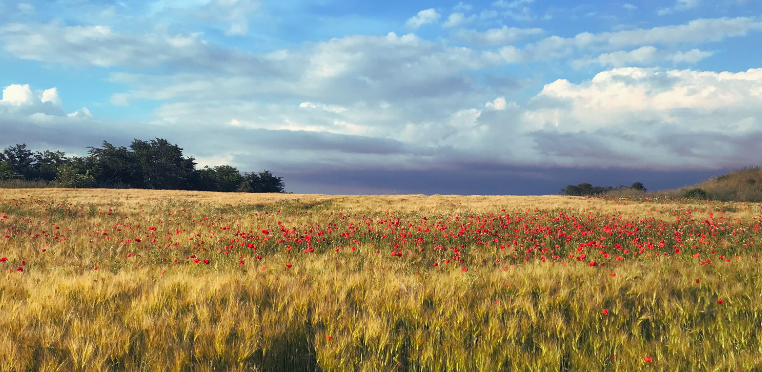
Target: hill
(744,185)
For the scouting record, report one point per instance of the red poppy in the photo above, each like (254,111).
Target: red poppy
(465,269)
(288,266)
(206,262)
(593,263)
(648,359)
(605,312)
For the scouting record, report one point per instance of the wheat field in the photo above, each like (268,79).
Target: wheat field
(141,280)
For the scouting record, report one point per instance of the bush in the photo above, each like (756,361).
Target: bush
(696,193)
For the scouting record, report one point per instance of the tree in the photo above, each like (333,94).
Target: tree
(75,173)
(111,166)
(162,164)
(270,183)
(226,178)
(47,164)
(6,171)
(638,186)
(585,189)
(263,181)
(21,161)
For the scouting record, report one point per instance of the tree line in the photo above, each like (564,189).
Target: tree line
(154,164)
(585,189)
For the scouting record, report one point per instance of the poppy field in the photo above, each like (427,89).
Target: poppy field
(128,280)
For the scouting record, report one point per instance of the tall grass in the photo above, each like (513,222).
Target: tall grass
(23,184)
(359,309)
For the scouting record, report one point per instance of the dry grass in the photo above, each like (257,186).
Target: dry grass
(364,309)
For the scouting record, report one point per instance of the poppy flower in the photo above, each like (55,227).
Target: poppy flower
(648,359)
(206,262)
(288,266)
(605,312)
(465,269)
(593,263)
(719,302)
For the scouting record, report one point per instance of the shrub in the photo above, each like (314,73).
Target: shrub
(696,193)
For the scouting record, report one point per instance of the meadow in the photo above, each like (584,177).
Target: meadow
(143,280)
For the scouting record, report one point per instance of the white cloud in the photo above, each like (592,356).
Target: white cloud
(697,31)
(457,19)
(234,12)
(51,95)
(324,107)
(647,55)
(630,7)
(680,5)
(82,113)
(16,94)
(25,8)
(462,7)
(20,99)
(101,46)
(498,104)
(497,36)
(691,56)
(624,93)
(511,4)
(423,17)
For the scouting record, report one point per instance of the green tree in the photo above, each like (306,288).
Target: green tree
(638,186)
(227,178)
(113,166)
(21,161)
(162,164)
(75,173)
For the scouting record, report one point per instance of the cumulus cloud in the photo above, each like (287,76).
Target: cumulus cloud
(51,95)
(21,100)
(16,94)
(423,17)
(628,6)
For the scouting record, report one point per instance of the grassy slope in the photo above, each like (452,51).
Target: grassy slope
(744,185)
(363,310)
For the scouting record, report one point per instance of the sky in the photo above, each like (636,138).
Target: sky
(397,97)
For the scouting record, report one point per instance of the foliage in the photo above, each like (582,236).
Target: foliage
(696,193)
(154,164)
(586,189)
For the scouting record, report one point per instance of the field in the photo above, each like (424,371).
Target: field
(128,280)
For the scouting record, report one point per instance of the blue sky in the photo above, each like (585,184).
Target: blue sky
(489,97)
